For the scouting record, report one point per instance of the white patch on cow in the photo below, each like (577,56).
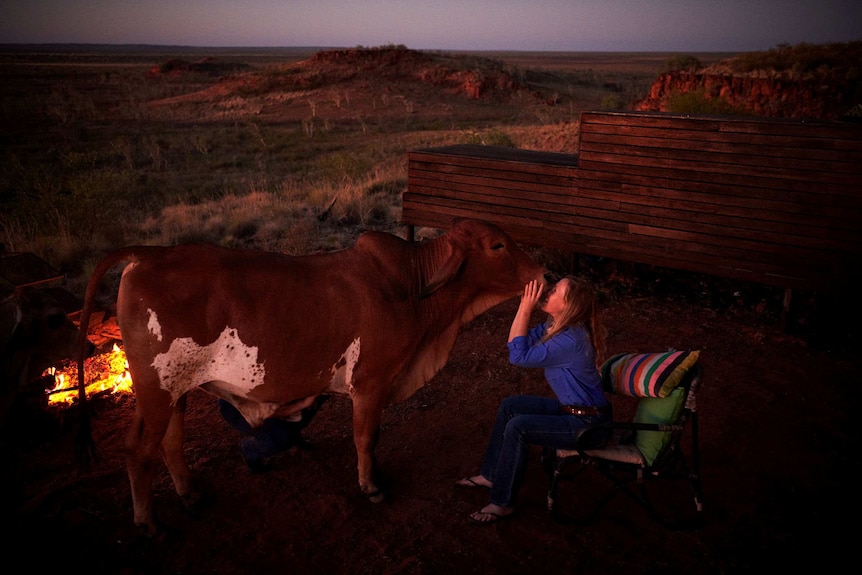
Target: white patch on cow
(341,380)
(153,325)
(187,365)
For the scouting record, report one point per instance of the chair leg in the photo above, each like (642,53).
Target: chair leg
(555,467)
(674,519)
(621,480)
(696,493)
(557,475)
(694,475)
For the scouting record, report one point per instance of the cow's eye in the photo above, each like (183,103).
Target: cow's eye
(55,320)
(498,246)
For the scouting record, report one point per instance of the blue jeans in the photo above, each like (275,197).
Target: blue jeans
(522,421)
(274,436)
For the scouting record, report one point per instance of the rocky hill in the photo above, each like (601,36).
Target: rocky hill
(362,83)
(392,83)
(486,79)
(803,81)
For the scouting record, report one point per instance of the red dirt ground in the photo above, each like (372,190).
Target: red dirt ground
(779,467)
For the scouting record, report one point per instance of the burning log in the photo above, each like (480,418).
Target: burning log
(105,373)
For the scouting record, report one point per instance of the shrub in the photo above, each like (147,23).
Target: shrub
(854,113)
(612,102)
(492,137)
(838,59)
(682,62)
(697,102)
(343,166)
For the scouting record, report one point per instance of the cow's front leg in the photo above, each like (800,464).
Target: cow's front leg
(366,430)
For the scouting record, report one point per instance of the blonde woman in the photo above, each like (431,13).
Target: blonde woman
(568,345)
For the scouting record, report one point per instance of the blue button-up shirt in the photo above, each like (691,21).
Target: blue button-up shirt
(569,362)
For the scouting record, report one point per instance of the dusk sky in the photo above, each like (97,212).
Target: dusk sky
(536,25)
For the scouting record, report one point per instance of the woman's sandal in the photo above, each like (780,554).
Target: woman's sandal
(468,482)
(487,517)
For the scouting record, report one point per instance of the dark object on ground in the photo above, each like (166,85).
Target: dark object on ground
(274,437)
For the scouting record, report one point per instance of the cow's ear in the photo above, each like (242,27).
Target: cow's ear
(447,270)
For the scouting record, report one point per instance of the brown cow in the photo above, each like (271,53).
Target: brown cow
(35,334)
(269,333)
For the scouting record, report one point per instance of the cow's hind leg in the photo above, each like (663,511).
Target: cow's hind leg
(174,455)
(143,447)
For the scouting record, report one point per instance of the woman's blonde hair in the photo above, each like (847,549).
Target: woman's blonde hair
(580,300)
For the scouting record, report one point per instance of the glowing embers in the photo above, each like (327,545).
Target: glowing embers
(105,373)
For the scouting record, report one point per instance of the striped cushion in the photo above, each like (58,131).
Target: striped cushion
(646,374)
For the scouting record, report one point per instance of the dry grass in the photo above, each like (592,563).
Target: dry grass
(288,151)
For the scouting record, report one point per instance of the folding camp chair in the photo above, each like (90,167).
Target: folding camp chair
(645,454)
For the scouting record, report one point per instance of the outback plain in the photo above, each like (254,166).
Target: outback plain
(301,150)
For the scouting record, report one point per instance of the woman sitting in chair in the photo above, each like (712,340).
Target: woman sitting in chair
(568,345)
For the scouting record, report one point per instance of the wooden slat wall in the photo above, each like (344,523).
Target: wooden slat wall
(777,202)
(520,190)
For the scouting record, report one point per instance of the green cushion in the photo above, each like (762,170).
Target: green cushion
(657,410)
(646,374)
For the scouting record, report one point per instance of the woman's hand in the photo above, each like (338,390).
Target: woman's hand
(532,294)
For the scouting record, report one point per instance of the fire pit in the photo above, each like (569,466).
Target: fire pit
(105,373)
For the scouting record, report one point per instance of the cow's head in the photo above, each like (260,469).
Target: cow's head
(474,267)
(481,254)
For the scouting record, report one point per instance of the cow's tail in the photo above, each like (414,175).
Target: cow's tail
(85,446)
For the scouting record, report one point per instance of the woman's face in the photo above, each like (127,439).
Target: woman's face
(556,300)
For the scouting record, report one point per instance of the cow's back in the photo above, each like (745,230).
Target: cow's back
(297,315)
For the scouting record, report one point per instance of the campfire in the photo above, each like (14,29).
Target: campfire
(104,373)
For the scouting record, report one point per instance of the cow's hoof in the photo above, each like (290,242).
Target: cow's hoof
(375,496)
(194,500)
(150,531)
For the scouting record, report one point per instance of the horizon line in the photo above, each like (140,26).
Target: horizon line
(138,45)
